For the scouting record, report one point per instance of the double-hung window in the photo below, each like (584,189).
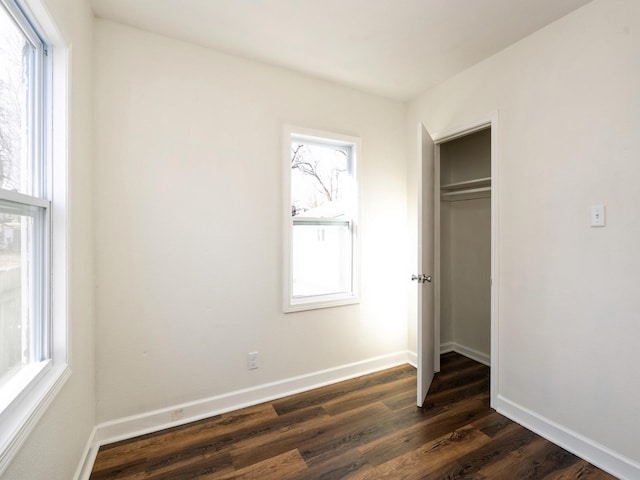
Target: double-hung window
(32,352)
(321,220)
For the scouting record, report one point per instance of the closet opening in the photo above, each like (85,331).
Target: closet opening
(463,246)
(457,263)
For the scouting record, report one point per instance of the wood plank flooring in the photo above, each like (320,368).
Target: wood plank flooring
(366,428)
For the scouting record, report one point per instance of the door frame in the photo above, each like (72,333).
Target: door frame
(489,121)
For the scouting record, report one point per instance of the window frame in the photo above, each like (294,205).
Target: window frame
(39,382)
(312,302)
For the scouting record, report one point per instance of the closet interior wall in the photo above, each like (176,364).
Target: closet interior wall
(465,244)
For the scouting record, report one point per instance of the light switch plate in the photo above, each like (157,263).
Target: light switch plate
(598,216)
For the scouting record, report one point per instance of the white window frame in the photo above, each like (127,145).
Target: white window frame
(33,390)
(311,302)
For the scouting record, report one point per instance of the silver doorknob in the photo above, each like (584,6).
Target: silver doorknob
(421,278)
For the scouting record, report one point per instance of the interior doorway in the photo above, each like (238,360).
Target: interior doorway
(458,226)
(462,232)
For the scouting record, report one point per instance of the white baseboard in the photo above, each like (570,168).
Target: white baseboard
(412,359)
(599,455)
(466,351)
(447,347)
(135,425)
(83,472)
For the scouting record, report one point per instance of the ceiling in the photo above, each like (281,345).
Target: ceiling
(394,48)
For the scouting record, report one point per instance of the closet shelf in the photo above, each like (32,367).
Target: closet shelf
(467,190)
(468,194)
(467,185)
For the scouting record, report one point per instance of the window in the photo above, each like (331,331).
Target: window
(33,363)
(24,207)
(321,220)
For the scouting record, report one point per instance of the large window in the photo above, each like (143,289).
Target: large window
(32,343)
(24,205)
(322,214)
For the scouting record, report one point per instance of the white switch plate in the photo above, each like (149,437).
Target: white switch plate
(598,216)
(252,360)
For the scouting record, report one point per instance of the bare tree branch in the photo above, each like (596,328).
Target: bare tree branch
(329,187)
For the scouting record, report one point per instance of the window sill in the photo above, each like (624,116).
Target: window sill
(11,391)
(21,415)
(320,301)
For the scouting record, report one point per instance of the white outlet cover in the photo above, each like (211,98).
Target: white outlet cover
(598,216)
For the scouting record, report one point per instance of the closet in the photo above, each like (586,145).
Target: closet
(464,258)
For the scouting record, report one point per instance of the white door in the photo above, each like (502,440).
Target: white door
(426,342)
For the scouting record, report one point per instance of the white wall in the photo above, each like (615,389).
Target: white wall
(465,314)
(188,182)
(54,448)
(569,303)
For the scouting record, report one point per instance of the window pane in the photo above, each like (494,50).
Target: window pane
(16,119)
(320,179)
(18,289)
(321,259)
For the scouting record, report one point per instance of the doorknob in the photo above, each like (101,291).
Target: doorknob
(421,278)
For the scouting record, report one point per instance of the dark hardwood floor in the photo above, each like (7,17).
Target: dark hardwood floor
(365,428)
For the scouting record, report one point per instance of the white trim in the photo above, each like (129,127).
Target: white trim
(604,458)
(88,458)
(135,425)
(412,359)
(495,254)
(18,385)
(466,351)
(26,415)
(437,248)
(321,301)
(447,347)
(464,130)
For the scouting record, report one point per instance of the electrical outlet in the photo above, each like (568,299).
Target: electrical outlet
(598,216)
(252,360)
